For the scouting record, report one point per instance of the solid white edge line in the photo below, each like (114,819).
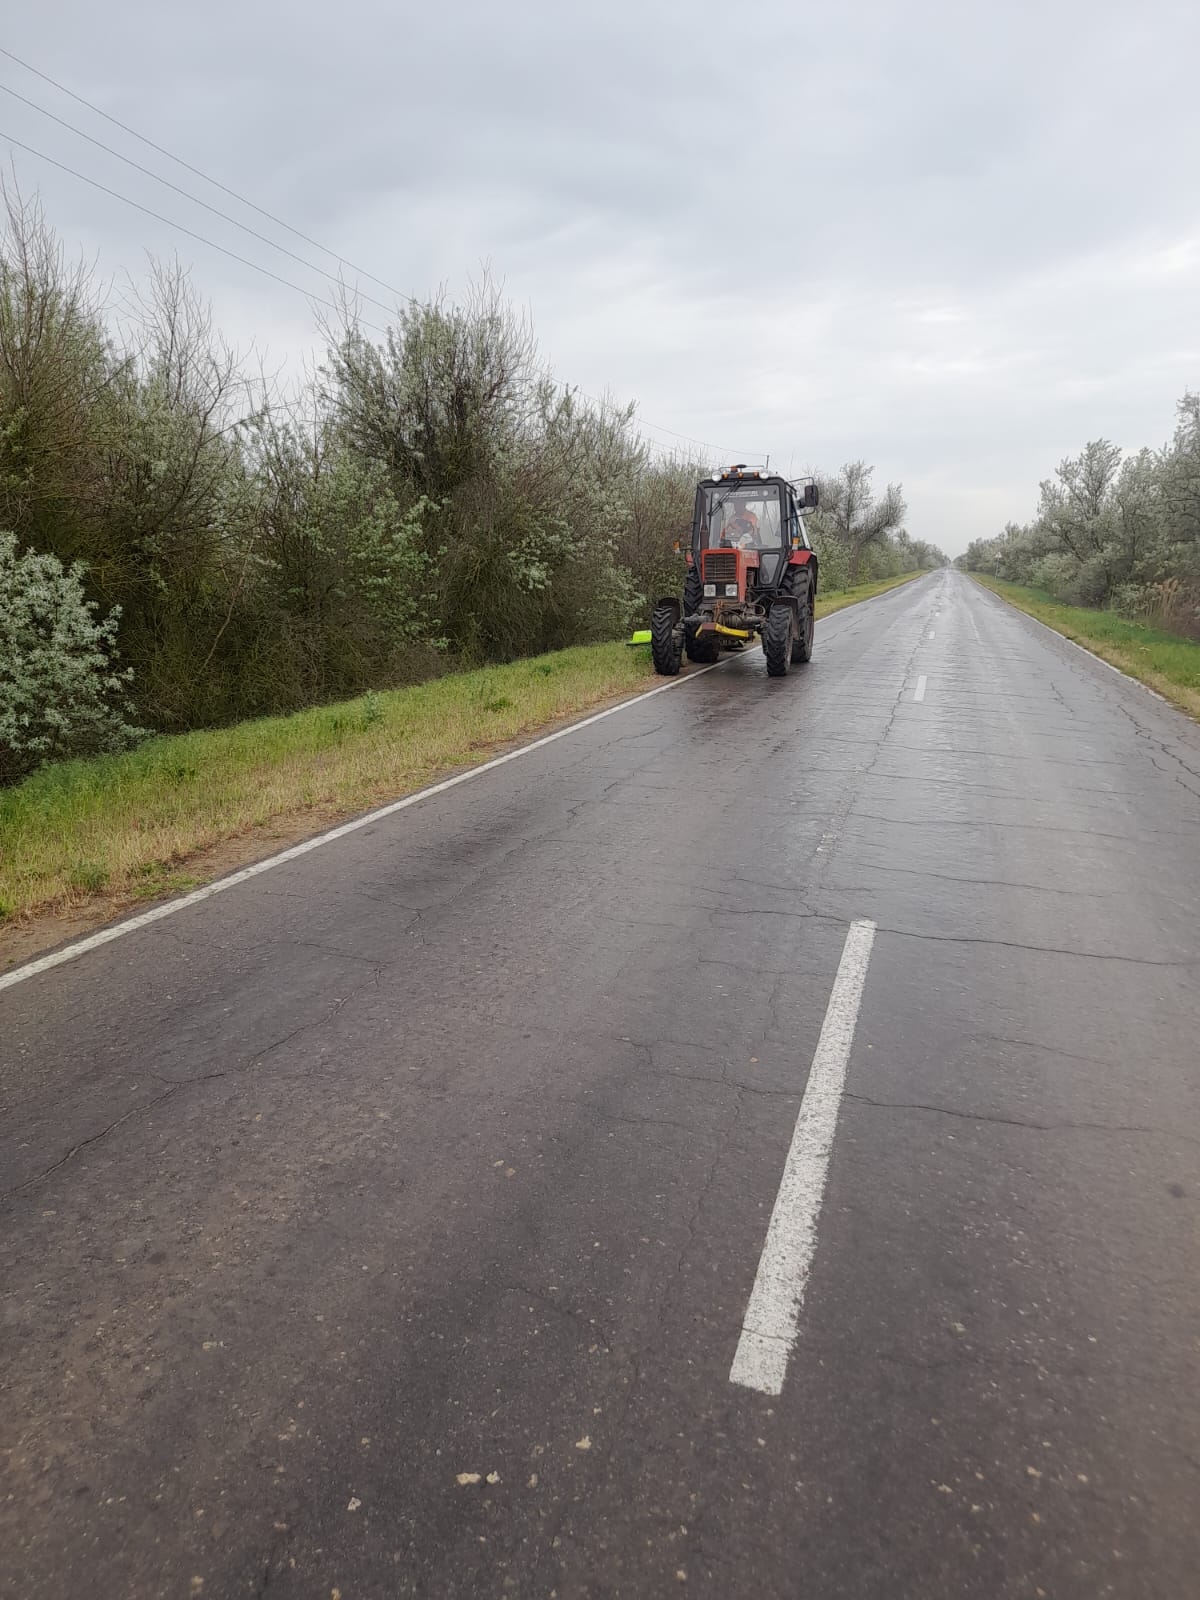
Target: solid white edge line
(921,682)
(1112,667)
(772,1317)
(118,930)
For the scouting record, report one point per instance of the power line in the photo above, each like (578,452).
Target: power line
(706,444)
(170,155)
(158,217)
(242,200)
(657,427)
(637,423)
(195,199)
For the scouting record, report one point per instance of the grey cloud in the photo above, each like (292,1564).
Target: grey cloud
(956,240)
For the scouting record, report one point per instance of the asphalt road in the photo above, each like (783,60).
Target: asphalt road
(450,1148)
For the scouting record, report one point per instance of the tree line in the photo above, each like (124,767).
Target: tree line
(185,541)
(1114,530)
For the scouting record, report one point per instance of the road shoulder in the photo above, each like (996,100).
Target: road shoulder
(242,840)
(1163,662)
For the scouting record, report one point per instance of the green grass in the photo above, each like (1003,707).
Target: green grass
(129,826)
(834,599)
(1162,660)
(123,825)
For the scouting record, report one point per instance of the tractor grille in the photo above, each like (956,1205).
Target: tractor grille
(719,566)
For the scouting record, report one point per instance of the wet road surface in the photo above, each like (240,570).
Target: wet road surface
(450,1150)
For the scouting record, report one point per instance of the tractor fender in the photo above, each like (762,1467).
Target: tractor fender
(808,560)
(672,601)
(792,600)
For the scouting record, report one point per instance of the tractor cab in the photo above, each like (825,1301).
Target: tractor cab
(752,572)
(752,512)
(758,516)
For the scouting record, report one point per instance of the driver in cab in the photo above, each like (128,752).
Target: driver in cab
(741,531)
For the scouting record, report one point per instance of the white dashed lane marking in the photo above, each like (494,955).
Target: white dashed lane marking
(773,1314)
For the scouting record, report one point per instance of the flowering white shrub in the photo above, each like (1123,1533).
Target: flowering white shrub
(60,693)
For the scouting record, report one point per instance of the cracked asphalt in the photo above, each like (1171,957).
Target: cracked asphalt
(448,1149)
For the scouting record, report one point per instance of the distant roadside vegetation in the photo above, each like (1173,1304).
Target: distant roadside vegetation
(185,542)
(1114,531)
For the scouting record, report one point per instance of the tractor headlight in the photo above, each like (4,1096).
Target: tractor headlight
(731,591)
(710,591)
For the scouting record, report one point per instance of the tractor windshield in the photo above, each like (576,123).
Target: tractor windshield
(744,515)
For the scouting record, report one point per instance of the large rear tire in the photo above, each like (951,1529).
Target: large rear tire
(666,640)
(777,640)
(802,645)
(703,649)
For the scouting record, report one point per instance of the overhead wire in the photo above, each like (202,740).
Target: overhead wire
(641,423)
(657,427)
(196,171)
(191,234)
(195,199)
(706,444)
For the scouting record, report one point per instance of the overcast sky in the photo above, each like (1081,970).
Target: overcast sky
(957,240)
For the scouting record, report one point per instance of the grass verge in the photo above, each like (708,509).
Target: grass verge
(1161,660)
(102,835)
(125,825)
(837,598)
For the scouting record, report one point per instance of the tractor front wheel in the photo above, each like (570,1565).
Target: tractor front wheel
(777,640)
(666,640)
(802,645)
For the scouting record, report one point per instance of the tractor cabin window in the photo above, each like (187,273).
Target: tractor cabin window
(748,517)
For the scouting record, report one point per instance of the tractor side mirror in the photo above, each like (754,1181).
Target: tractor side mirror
(811,497)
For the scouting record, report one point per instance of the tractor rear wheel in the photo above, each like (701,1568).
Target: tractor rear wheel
(802,645)
(703,649)
(777,640)
(666,640)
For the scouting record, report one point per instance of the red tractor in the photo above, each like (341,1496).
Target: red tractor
(751,572)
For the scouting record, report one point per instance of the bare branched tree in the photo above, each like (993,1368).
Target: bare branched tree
(55,366)
(853,519)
